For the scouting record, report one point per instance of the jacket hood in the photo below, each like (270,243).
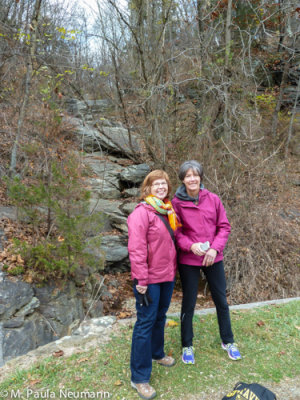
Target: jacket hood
(182,194)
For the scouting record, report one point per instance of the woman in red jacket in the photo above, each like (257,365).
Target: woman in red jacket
(152,256)
(201,240)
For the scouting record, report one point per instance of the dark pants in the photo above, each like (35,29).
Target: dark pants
(148,332)
(215,276)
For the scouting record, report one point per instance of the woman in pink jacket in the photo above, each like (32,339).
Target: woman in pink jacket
(152,256)
(201,240)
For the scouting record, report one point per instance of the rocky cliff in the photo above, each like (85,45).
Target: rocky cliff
(31,316)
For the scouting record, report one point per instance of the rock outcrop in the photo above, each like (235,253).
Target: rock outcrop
(32,316)
(113,177)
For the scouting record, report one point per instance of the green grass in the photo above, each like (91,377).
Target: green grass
(268,339)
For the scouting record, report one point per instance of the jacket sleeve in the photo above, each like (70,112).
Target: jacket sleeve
(222,228)
(182,241)
(138,224)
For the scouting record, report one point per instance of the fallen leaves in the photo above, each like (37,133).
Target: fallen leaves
(171,323)
(260,323)
(170,352)
(34,382)
(124,314)
(119,288)
(28,277)
(81,360)
(58,353)
(8,257)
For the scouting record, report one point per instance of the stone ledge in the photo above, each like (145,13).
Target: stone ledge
(247,306)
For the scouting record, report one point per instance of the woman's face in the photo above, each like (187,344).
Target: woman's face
(192,182)
(159,188)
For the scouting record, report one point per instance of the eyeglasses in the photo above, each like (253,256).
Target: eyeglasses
(160,184)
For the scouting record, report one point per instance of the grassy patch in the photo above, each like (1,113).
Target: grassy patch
(268,338)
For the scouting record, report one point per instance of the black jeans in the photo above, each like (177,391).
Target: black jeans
(215,276)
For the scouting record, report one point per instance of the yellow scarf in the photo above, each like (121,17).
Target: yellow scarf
(164,207)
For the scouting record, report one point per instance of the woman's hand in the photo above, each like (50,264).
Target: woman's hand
(195,248)
(141,289)
(209,258)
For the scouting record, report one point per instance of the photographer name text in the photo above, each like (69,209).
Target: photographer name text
(49,394)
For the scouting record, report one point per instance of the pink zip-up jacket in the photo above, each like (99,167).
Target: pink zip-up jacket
(151,249)
(205,221)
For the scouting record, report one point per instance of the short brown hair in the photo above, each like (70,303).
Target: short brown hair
(150,178)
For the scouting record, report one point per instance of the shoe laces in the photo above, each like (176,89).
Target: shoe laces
(145,387)
(189,351)
(232,347)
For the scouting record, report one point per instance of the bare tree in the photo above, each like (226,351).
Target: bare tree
(227,121)
(292,119)
(287,48)
(31,31)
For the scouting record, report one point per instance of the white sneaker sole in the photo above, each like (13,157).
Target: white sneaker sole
(188,363)
(232,358)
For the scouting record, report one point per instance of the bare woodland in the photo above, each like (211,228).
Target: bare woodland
(212,80)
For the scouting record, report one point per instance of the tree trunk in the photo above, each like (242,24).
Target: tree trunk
(290,131)
(199,18)
(27,84)
(281,26)
(280,97)
(227,121)
(289,56)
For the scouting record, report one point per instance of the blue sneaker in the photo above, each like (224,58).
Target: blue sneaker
(188,355)
(232,350)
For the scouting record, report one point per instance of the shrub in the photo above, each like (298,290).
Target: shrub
(58,203)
